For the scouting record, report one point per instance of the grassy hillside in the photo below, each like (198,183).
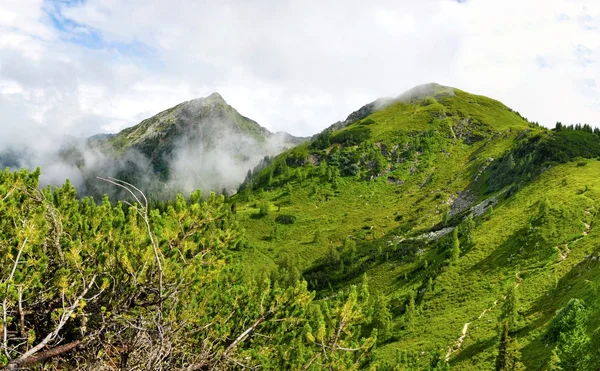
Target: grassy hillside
(383,197)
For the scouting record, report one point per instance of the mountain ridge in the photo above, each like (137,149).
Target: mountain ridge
(439,200)
(201,143)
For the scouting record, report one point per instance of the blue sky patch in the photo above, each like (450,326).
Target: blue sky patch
(88,37)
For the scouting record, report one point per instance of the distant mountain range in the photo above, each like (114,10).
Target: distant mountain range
(203,143)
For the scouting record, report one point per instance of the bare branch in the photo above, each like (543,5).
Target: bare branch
(47,354)
(21,313)
(310,362)
(134,187)
(5,302)
(337,335)
(9,193)
(122,186)
(242,337)
(16,364)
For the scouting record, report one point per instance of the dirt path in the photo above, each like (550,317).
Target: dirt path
(519,279)
(459,342)
(563,252)
(463,335)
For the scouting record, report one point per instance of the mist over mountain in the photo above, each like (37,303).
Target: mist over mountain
(418,92)
(203,143)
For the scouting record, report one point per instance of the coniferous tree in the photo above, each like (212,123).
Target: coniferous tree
(429,287)
(558,126)
(509,356)
(455,248)
(568,330)
(382,316)
(513,359)
(410,311)
(333,257)
(466,228)
(503,348)
(510,309)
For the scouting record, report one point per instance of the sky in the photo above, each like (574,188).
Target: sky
(82,67)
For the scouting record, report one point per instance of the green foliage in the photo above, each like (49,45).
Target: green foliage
(382,316)
(319,238)
(509,356)
(534,153)
(410,311)
(511,305)
(351,136)
(285,219)
(455,248)
(467,227)
(568,330)
(297,157)
(440,156)
(157,284)
(263,209)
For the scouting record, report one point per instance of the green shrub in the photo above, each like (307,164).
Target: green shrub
(352,136)
(285,219)
(263,209)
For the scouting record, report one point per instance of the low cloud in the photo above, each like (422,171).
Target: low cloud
(206,150)
(74,69)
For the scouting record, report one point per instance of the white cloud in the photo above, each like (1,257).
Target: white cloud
(291,65)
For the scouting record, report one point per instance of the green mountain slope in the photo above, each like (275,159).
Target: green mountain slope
(449,203)
(211,118)
(207,123)
(203,143)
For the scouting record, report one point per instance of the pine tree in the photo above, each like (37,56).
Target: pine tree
(382,316)
(568,330)
(554,364)
(558,126)
(333,257)
(429,287)
(466,228)
(509,355)
(455,248)
(513,357)
(502,350)
(410,311)
(510,309)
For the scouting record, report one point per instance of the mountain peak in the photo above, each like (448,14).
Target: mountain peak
(214,98)
(431,89)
